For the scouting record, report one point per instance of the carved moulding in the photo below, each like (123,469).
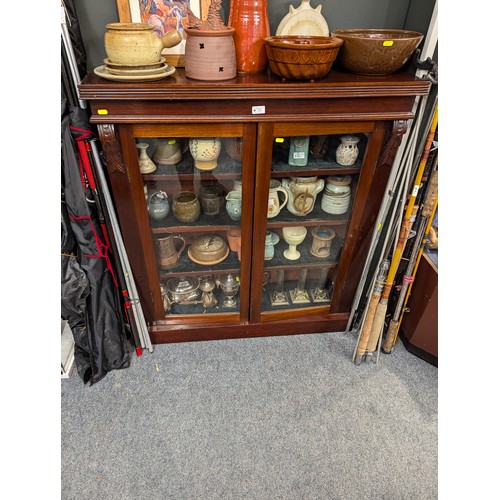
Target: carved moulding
(392,143)
(111,148)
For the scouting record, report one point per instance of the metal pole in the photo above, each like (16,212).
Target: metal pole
(71,55)
(135,303)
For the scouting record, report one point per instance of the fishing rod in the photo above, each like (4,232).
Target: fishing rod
(428,212)
(403,237)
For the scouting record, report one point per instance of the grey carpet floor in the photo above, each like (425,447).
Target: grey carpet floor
(268,418)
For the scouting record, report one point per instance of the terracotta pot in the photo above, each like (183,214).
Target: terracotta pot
(136,43)
(250,20)
(210,55)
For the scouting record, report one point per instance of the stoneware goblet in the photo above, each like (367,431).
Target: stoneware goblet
(293,235)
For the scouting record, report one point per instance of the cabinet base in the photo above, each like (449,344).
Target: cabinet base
(164,333)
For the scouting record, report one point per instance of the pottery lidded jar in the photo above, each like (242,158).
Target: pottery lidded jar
(137,43)
(337,194)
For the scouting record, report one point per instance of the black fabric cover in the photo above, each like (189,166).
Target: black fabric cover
(89,287)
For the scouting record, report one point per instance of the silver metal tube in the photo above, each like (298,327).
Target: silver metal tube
(135,304)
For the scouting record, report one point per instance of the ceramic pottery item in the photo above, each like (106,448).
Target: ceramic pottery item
(211,199)
(237,185)
(234,240)
(186,207)
(158,205)
(347,151)
(271,240)
(322,241)
(319,146)
(302,57)
(167,251)
(274,205)
(233,147)
(376,51)
(208,249)
(146,165)
(168,152)
(303,20)
(293,235)
(233,204)
(205,152)
(298,152)
(136,43)
(302,192)
(210,55)
(250,20)
(337,194)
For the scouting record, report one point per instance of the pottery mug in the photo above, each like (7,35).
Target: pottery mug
(168,253)
(186,207)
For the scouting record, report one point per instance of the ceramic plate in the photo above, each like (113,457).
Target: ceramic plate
(137,72)
(103,72)
(107,62)
(303,21)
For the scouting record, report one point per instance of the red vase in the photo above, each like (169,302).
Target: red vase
(250,20)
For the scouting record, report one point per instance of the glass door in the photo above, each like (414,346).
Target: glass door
(198,205)
(311,179)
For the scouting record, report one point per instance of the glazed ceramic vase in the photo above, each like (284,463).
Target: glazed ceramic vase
(133,44)
(250,20)
(347,151)
(146,164)
(210,55)
(205,152)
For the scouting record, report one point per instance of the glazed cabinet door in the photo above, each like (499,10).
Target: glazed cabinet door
(193,186)
(306,216)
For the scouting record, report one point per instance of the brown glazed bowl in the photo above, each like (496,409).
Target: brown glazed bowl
(301,57)
(376,51)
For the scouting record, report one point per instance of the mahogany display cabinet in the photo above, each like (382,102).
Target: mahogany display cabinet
(257,239)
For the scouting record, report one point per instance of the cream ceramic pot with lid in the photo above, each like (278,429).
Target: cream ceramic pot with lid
(136,43)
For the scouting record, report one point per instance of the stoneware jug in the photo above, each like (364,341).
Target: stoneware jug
(168,253)
(133,44)
(302,192)
(274,205)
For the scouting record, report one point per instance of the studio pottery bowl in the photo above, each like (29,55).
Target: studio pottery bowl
(376,51)
(301,57)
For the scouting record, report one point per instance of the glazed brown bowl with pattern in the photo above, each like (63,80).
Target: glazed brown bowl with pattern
(376,51)
(302,57)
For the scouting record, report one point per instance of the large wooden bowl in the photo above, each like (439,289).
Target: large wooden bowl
(376,51)
(301,57)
